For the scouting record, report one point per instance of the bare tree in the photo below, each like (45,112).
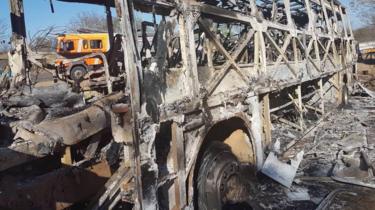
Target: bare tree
(87,21)
(44,39)
(90,22)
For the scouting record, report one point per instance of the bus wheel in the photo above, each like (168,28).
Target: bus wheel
(77,73)
(218,181)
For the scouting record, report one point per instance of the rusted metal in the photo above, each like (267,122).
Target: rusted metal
(112,189)
(52,136)
(74,128)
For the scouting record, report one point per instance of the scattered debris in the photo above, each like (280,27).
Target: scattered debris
(369,92)
(298,194)
(328,199)
(281,172)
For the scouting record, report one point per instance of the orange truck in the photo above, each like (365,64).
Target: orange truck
(72,47)
(366,50)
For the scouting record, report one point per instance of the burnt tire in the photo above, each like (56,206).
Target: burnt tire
(78,72)
(218,167)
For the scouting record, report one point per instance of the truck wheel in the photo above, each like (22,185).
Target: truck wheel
(218,180)
(77,73)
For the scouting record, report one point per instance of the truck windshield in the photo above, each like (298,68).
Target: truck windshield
(67,45)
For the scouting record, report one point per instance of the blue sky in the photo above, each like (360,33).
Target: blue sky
(38,13)
(39,16)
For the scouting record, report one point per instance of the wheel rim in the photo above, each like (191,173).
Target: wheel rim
(217,180)
(222,180)
(77,73)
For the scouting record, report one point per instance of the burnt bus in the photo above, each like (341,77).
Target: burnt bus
(206,90)
(205,80)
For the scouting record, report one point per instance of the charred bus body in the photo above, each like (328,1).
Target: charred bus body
(204,92)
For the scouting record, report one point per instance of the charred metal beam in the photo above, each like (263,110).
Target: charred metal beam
(74,128)
(17,55)
(112,189)
(99,2)
(109,23)
(17,18)
(51,136)
(134,79)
